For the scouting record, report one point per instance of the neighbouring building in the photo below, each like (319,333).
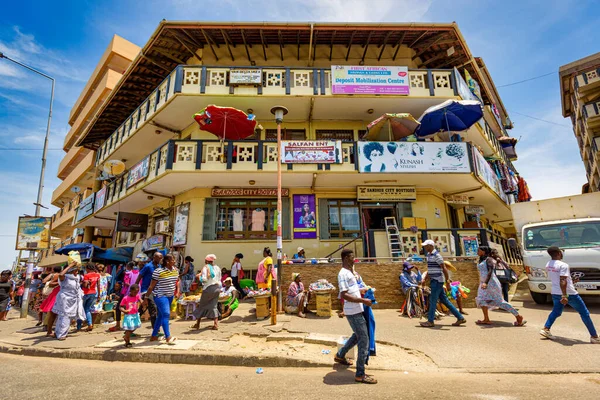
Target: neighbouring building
(201,195)
(77,168)
(580,98)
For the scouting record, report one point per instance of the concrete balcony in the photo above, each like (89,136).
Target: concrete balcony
(70,161)
(587,82)
(82,176)
(305,91)
(48,258)
(591,115)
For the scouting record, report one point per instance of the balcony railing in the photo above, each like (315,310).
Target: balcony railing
(587,78)
(51,251)
(204,80)
(66,210)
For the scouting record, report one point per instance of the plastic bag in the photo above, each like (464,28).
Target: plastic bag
(74,257)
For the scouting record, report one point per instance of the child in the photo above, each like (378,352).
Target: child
(129,306)
(563,293)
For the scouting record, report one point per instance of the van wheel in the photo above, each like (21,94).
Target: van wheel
(539,298)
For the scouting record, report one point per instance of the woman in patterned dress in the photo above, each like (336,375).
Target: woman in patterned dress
(103,293)
(489,295)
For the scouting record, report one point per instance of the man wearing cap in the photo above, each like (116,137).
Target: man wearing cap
(409,278)
(300,255)
(145,277)
(438,274)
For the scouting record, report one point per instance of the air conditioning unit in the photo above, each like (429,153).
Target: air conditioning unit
(162,226)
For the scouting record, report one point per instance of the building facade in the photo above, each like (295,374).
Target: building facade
(204,195)
(77,168)
(580,97)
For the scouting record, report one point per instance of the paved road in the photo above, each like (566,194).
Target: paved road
(36,378)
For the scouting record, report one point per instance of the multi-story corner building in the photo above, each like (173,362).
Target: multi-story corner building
(77,168)
(580,96)
(202,195)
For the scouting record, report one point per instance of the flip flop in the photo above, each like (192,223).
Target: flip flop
(366,379)
(521,324)
(172,342)
(479,322)
(215,328)
(343,361)
(194,328)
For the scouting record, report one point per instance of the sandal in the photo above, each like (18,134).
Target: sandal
(154,338)
(343,361)
(114,329)
(480,322)
(460,322)
(128,345)
(427,324)
(194,327)
(522,323)
(366,379)
(172,341)
(215,328)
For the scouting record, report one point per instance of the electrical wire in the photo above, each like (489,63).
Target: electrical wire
(539,119)
(527,80)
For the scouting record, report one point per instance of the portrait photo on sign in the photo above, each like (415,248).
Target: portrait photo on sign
(305,220)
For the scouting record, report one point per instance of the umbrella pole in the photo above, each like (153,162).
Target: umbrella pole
(223,140)
(390,130)
(447,125)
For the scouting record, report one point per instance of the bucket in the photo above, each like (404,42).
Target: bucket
(341,342)
(109,306)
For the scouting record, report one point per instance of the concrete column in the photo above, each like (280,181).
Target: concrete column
(88,232)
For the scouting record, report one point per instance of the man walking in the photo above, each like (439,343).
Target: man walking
(353,309)
(438,274)
(563,293)
(145,277)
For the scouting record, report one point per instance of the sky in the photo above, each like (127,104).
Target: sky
(65,39)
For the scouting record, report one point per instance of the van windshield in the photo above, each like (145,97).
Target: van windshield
(567,236)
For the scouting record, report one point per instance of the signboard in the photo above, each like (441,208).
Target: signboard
(138,172)
(246,192)
(351,79)
(386,193)
(33,233)
(413,157)
(243,76)
(487,175)
(311,152)
(86,207)
(100,199)
(131,222)
(475,210)
(463,88)
(182,213)
(153,243)
(498,248)
(305,219)
(458,199)
(470,245)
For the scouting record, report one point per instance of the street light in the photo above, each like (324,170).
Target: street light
(279,112)
(38,203)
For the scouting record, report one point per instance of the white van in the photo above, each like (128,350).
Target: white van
(541,224)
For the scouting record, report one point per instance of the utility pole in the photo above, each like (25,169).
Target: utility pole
(38,204)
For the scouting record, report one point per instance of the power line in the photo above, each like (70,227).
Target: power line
(527,80)
(539,119)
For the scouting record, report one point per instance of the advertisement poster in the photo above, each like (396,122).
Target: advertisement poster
(138,172)
(244,76)
(417,157)
(182,214)
(305,219)
(311,152)
(86,207)
(153,243)
(487,174)
(132,222)
(352,79)
(33,233)
(470,245)
(100,199)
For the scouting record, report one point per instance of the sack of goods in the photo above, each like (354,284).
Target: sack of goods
(321,286)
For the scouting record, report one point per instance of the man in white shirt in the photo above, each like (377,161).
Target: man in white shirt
(236,267)
(353,309)
(563,293)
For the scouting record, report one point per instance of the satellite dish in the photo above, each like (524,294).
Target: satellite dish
(114,167)
(75,189)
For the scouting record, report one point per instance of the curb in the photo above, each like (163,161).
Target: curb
(159,356)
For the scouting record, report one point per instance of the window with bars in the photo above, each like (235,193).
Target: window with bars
(344,218)
(345,135)
(286,134)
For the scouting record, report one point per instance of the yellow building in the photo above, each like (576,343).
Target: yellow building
(77,168)
(580,95)
(202,195)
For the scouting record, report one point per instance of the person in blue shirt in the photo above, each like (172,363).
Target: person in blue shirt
(300,255)
(145,277)
(409,278)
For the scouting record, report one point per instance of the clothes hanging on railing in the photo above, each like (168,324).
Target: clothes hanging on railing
(524,194)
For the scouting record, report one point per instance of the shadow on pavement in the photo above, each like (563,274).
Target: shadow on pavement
(568,342)
(340,376)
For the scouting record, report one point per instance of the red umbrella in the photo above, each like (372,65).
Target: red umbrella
(226,122)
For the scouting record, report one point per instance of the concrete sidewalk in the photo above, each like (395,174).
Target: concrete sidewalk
(402,344)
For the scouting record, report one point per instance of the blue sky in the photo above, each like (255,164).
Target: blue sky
(517,39)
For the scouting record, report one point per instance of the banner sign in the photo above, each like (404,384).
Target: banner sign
(458,199)
(463,88)
(475,210)
(305,220)
(182,213)
(153,243)
(100,199)
(242,76)
(86,207)
(470,245)
(413,157)
(131,222)
(246,192)
(486,174)
(386,193)
(33,233)
(311,152)
(350,79)
(138,172)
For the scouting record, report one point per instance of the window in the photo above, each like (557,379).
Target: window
(344,219)
(286,134)
(568,235)
(345,135)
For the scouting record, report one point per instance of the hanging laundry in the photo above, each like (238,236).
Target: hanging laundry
(524,194)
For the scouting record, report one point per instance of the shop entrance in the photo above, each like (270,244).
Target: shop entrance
(373,215)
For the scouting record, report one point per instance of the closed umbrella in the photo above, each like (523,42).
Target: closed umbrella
(391,127)
(451,115)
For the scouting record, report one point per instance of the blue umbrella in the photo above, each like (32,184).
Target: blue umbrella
(451,115)
(86,250)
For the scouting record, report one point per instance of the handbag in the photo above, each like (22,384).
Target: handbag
(47,289)
(513,278)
